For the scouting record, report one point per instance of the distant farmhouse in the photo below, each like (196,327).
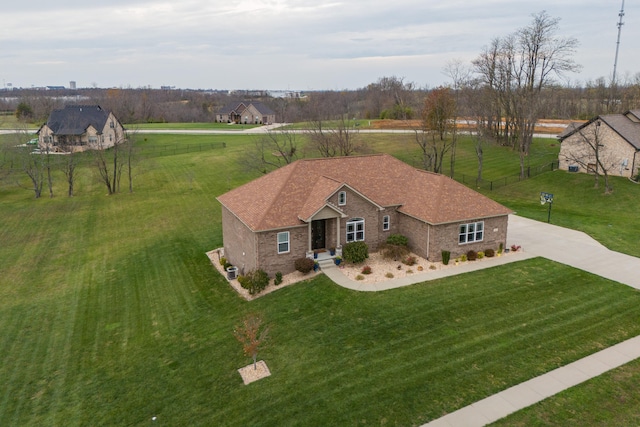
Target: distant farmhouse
(617,137)
(319,204)
(80,128)
(246,112)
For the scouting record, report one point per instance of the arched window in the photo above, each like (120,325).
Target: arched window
(355,230)
(342,198)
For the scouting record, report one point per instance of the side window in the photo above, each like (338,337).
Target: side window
(469,233)
(283,242)
(342,198)
(386,223)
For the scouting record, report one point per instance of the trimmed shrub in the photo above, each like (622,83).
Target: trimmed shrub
(255,281)
(278,280)
(304,265)
(223,261)
(472,255)
(446,256)
(398,240)
(355,252)
(359,277)
(463,257)
(480,254)
(394,252)
(489,253)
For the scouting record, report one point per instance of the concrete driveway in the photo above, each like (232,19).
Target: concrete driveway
(573,248)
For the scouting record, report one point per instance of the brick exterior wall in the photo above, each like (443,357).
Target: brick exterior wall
(359,207)
(429,241)
(445,237)
(240,243)
(613,152)
(271,261)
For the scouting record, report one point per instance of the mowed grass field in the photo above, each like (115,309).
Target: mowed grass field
(111,314)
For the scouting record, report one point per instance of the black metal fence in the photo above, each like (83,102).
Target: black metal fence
(486,184)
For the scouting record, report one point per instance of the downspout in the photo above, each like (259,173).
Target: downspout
(428,238)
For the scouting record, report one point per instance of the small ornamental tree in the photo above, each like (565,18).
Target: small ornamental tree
(252,335)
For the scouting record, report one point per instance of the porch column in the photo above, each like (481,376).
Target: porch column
(338,232)
(309,236)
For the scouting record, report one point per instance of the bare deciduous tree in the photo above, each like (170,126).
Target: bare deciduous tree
(518,68)
(591,154)
(271,151)
(435,135)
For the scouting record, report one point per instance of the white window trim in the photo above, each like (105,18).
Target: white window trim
(355,222)
(342,198)
(287,242)
(478,228)
(386,223)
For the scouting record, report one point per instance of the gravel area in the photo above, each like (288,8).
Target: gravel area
(381,270)
(250,373)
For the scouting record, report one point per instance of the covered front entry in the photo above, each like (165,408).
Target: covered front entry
(318,234)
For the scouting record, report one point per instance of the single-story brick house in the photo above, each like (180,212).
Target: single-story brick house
(80,128)
(313,204)
(619,140)
(246,112)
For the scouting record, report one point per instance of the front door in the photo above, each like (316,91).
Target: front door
(318,234)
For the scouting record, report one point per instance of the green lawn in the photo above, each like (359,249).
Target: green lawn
(111,314)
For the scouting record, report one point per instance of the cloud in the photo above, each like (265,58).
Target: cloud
(300,43)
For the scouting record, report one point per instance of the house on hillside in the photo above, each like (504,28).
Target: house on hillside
(246,112)
(80,128)
(313,204)
(617,138)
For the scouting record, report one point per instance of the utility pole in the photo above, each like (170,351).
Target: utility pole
(615,63)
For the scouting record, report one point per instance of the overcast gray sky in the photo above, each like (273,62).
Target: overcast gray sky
(285,44)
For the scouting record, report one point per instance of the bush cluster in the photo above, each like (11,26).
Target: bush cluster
(254,281)
(278,279)
(355,252)
(410,260)
(398,240)
(395,247)
(304,265)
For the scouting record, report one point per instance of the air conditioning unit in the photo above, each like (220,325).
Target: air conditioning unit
(232,273)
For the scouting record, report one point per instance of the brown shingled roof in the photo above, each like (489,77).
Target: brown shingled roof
(298,190)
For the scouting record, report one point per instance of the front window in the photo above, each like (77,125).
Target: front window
(470,233)
(342,198)
(355,230)
(386,223)
(283,242)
